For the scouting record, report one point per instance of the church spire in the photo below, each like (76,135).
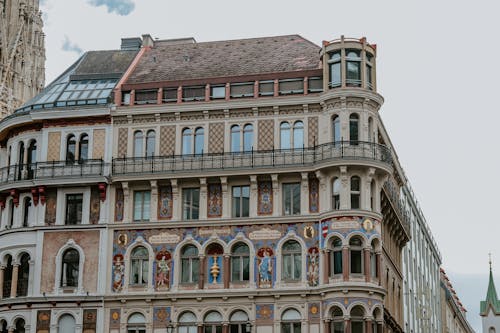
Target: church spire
(491,295)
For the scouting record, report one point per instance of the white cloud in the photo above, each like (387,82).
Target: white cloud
(120,7)
(70,46)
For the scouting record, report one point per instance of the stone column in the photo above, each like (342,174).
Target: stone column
(276,196)
(203,199)
(304,193)
(326,266)
(153,213)
(201,281)
(379,267)
(227,271)
(225,327)
(368,324)
(367,202)
(15,274)
(25,162)
(324,194)
(254,196)
(347,325)
(226,202)
(367,261)
(176,211)
(200,328)
(345,191)
(11,329)
(30,277)
(345,263)
(2,272)
(159,96)
(126,203)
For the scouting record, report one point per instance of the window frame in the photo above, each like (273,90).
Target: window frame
(191,260)
(188,215)
(288,190)
(240,258)
(68,207)
(240,201)
(355,249)
(64,272)
(145,214)
(142,262)
(293,255)
(355,194)
(336,253)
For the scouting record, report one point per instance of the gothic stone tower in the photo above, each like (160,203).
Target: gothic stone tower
(22,53)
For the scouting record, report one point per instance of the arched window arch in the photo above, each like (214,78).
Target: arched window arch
(336,258)
(26,211)
(212,323)
(291,321)
(187,323)
(240,262)
(23,275)
(235,138)
(7,276)
(70,149)
(83,148)
(20,160)
(354,129)
(292,261)
(3,326)
(491,330)
(70,268)
(298,135)
(190,264)
(31,159)
(285,137)
(336,193)
(337,324)
(199,139)
(138,144)
(187,141)
(239,322)
(136,323)
(353,69)
(248,137)
(356,255)
(20,326)
(355,192)
(357,319)
(66,324)
(336,136)
(139,266)
(150,143)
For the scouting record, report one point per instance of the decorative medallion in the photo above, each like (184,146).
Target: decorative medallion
(368,225)
(122,239)
(309,232)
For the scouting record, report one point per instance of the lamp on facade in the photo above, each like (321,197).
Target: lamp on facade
(248,327)
(170,327)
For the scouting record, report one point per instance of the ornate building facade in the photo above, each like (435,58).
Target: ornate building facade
(453,313)
(22,53)
(220,187)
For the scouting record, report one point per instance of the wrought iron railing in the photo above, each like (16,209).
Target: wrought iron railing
(54,169)
(354,150)
(392,191)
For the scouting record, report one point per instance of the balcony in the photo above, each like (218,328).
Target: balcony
(255,159)
(51,170)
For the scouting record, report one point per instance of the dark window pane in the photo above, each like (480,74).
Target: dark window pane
(356,262)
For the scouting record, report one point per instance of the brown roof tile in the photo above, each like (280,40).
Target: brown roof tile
(173,62)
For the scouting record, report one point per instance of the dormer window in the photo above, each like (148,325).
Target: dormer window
(244,89)
(218,92)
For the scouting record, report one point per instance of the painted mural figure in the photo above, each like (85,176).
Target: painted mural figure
(313,267)
(118,272)
(162,276)
(266,269)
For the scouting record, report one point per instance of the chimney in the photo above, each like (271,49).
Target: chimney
(147,41)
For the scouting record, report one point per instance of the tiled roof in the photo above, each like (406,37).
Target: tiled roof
(173,61)
(105,63)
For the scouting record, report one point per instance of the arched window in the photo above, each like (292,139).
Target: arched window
(7,277)
(248,137)
(3,327)
(11,213)
(83,148)
(20,323)
(285,138)
(290,321)
(353,68)
(240,263)
(23,275)
(235,138)
(336,136)
(491,330)
(357,321)
(212,323)
(136,323)
(292,261)
(187,323)
(369,71)
(138,143)
(70,268)
(26,212)
(355,192)
(31,159)
(336,193)
(353,129)
(239,322)
(190,265)
(337,320)
(66,324)
(187,141)
(20,159)
(378,317)
(298,135)
(139,268)
(199,139)
(335,70)
(336,257)
(150,143)
(356,255)
(70,149)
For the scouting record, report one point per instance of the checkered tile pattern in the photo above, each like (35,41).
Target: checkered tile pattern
(216,138)
(167,140)
(313,131)
(54,151)
(266,134)
(122,142)
(99,139)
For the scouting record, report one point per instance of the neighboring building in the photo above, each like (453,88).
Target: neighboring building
(452,311)
(490,308)
(421,264)
(219,187)
(22,53)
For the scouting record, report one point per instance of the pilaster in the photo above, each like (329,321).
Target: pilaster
(203,199)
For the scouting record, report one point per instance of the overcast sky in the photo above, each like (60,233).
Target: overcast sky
(436,69)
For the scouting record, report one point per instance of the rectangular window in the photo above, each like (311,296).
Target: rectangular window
(142,204)
(146,96)
(335,75)
(169,95)
(356,262)
(242,89)
(291,199)
(266,88)
(193,93)
(291,86)
(241,201)
(217,92)
(125,97)
(240,268)
(74,204)
(315,84)
(190,203)
(337,262)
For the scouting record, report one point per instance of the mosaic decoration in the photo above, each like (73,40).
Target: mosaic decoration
(165,202)
(163,268)
(214,202)
(348,224)
(314,312)
(214,264)
(265,198)
(161,316)
(118,272)
(119,204)
(43,321)
(265,264)
(114,318)
(95,206)
(347,301)
(167,140)
(264,313)
(51,205)
(313,195)
(313,267)
(89,320)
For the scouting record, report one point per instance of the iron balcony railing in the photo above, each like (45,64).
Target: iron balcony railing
(353,150)
(54,169)
(392,192)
